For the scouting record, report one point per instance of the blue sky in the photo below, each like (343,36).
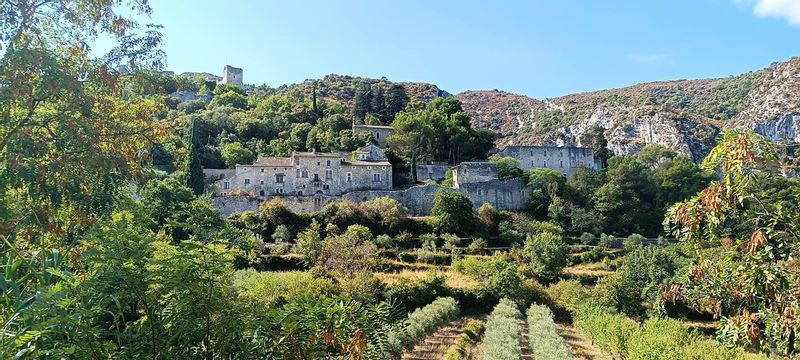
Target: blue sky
(537,48)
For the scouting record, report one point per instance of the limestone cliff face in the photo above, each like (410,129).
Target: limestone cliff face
(686,115)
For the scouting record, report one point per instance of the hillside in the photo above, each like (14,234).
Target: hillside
(342,88)
(685,114)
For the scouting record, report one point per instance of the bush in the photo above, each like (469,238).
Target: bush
(545,342)
(548,255)
(453,212)
(658,339)
(423,322)
(272,289)
(462,346)
(503,335)
(594,255)
(610,241)
(609,330)
(633,241)
(383,241)
(568,294)
(588,239)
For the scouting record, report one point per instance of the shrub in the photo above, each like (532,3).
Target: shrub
(568,294)
(594,255)
(545,342)
(633,241)
(610,241)
(502,337)
(272,289)
(477,245)
(658,339)
(462,346)
(588,239)
(453,212)
(384,241)
(609,330)
(423,322)
(548,255)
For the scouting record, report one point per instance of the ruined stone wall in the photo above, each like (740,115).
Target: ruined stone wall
(502,194)
(435,172)
(565,160)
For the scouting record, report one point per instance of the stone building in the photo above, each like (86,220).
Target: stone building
(232,75)
(564,159)
(305,174)
(473,172)
(380,133)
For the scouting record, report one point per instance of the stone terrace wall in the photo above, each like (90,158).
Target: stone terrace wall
(502,194)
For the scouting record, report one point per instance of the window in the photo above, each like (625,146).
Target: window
(279,178)
(545,153)
(247,181)
(299,192)
(316,177)
(261,193)
(317,163)
(305,174)
(226,185)
(544,163)
(532,163)
(326,187)
(327,163)
(262,170)
(377,135)
(279,191)
(298,173)
(262,182)
(328,174)
(562,164)
(349,177)
(376,177)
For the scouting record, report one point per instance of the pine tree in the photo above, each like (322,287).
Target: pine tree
(196,178)
(396,101)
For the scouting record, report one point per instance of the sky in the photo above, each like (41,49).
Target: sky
(536,48)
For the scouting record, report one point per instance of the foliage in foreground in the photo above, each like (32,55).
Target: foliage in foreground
(745,230)
(545,342)
(503,334)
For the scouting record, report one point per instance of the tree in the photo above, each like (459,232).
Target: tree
(597,137)
(230,98)
(396,101)
(453,212)
(547,254)
(196,179)
(744,231)
(507,167)
(413,132)
(362,101)
(236,154)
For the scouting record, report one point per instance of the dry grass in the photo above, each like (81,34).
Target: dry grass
(453,279)
(593,269)
(582,347)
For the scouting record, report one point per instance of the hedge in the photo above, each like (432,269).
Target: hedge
(462,347)
(503,335)
(544,341)
(423,322)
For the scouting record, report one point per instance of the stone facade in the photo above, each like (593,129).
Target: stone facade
(564,159)
(473,172)
(232,75)
(502,194)
(304,174)
(380,134)
(433,171)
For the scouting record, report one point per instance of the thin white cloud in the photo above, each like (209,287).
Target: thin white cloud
(783,9)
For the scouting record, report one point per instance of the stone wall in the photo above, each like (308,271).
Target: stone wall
(564,159)
(502,194)
(435,172)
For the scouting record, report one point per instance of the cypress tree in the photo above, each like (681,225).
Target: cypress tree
(196,178)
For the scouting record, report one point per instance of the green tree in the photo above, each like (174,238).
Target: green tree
(196,178)
(236,154)
(413,133)
(230,98)
(507,167)
(396,101)
(453,212)
(597,137)
(547,255)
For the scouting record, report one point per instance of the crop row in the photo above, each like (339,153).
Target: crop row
(545,342)
(423,322)
(503,335)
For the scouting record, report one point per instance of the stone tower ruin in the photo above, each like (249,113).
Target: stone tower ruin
(232,75)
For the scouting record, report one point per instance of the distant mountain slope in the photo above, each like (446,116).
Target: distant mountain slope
(685,115)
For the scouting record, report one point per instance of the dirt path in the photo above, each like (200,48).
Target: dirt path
(525,344)
(435,345)
(581,345)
